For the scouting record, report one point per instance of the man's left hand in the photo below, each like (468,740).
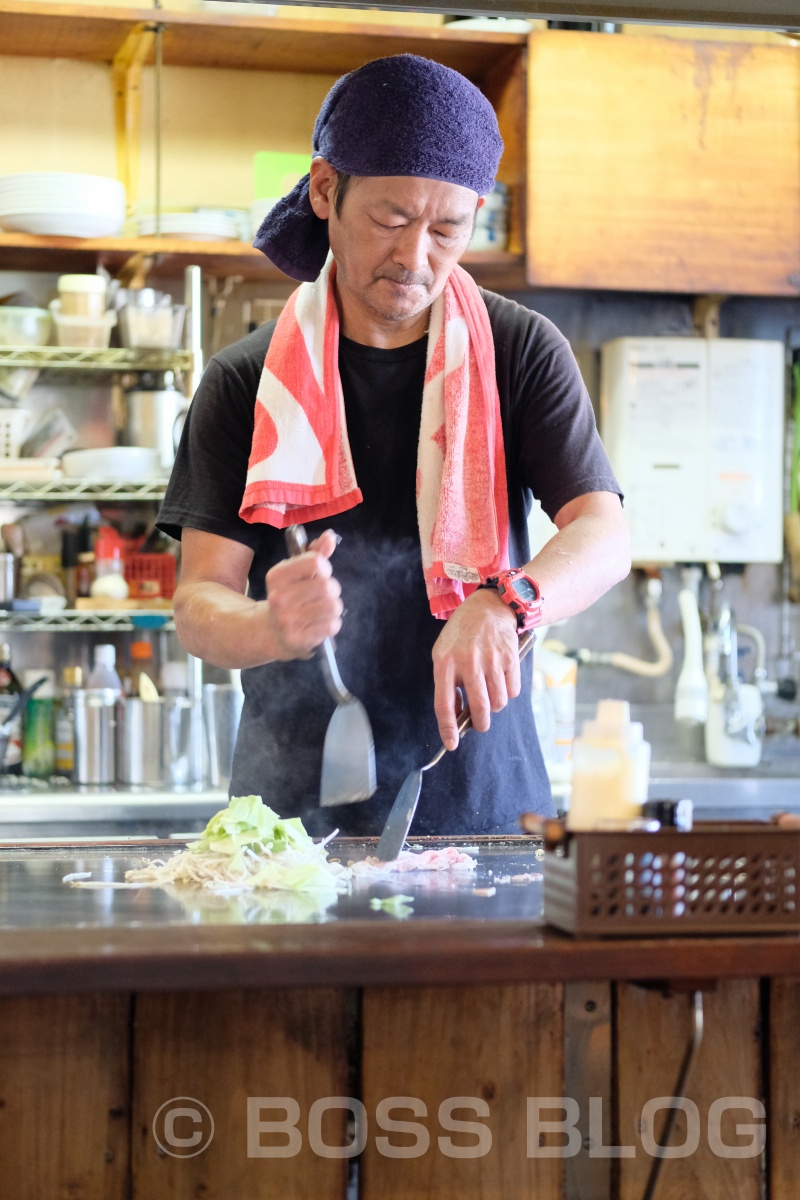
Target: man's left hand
(478,650)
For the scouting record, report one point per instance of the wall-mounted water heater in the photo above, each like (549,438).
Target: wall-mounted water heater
(694,431)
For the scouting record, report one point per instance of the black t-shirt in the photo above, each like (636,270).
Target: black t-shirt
(384,649)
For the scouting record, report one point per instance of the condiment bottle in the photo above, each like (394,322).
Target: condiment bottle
(71,678)
(84,572)
(104,672)
(141,664)
(9,690)
(109,576)
(38,740)
(610,769)
(69,564)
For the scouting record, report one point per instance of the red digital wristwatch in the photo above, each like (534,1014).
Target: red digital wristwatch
(522,595)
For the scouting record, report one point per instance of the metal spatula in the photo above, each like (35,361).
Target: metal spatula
(398,823)
(348,755)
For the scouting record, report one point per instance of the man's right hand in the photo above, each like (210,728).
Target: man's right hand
(304,600)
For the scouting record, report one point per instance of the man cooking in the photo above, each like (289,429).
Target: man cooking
(404,416)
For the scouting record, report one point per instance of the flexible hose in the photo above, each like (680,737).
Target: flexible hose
(640,666)
(627,662)
(756,636)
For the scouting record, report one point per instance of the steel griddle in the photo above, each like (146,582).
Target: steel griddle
(34,896)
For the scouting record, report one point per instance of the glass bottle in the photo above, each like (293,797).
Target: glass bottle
(141,664)
(9,691)
(38,726)
(71,678)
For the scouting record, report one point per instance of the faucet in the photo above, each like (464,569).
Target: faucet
(735,725)
(739,724)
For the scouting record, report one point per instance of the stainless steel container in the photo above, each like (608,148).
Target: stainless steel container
(222,710)
(139,742)
(154,743)
(95,724)
(152,420)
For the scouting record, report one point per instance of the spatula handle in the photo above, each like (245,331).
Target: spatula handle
(296,540)
(296,544)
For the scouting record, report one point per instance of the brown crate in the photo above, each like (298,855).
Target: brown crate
(740,878)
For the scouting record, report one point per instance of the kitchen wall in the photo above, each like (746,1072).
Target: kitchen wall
(617,621)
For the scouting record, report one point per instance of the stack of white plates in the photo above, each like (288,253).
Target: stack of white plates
(193,226)
(61,204)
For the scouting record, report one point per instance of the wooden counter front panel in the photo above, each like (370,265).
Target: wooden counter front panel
(220,1048)
(498,1045)
(652,1032)
(784,1089)
(64,1092)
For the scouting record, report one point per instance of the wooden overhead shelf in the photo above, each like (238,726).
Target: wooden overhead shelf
(243,42)
(28,252)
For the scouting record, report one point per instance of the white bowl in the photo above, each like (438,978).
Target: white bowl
(70,204)
(130,463)
(67,224)
(48,181)
(24,326)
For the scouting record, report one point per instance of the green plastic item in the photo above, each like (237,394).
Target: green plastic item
(276,172)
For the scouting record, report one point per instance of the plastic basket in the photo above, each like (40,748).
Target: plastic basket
(150,568)
(13,423)
(715,878)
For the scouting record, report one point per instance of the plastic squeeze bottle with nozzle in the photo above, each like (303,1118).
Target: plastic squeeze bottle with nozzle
(610,769)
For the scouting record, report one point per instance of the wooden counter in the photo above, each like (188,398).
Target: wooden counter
(115,1003)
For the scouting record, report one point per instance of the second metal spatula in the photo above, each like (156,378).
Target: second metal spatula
(398,823)
(348,755)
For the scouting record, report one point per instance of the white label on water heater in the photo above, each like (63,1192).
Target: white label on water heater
(694,431)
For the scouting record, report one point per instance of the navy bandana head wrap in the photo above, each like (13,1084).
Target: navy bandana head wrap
(402,115)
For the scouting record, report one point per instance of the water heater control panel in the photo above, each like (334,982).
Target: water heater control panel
(694,431)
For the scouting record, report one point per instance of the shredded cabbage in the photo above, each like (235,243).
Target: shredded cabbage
(246,847)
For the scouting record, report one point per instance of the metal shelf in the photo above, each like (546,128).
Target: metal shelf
(62,358)
(82,489)
(85,622)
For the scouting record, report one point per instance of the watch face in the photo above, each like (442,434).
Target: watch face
(525,590)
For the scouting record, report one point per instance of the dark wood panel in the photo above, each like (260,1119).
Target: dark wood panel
(218,1049)
(652,1032)
(64,1084)
(356,953)
(498,1045)
(784,1088)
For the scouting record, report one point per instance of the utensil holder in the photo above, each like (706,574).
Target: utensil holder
(154,743)
(715,878)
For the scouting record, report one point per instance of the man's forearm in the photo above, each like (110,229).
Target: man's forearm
(578,565)
(223,627)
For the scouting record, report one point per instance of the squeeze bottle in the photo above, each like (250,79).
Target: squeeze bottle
(610,769)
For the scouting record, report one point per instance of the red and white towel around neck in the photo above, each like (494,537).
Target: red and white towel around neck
(300,465)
